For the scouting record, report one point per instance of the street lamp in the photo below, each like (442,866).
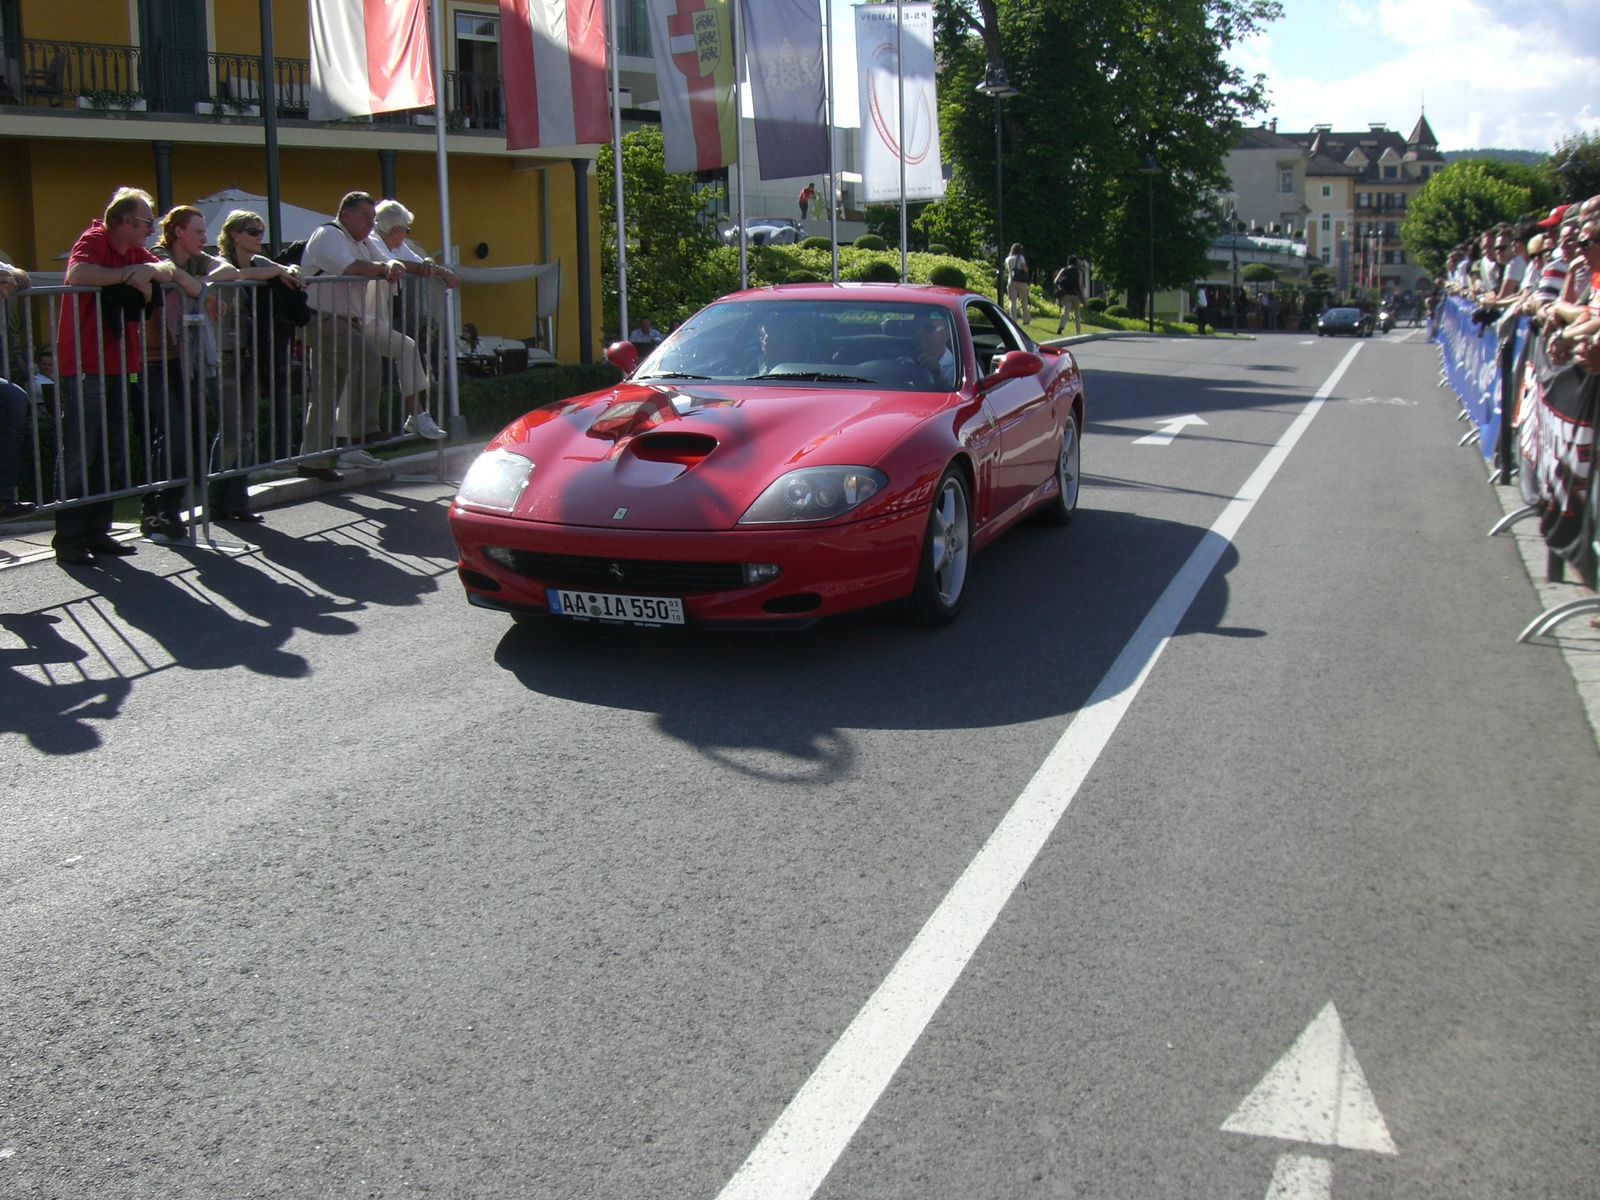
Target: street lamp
(997,85)
(1233,296)
(1148,169)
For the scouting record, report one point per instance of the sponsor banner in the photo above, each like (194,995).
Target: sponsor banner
(1556,436)
(693,44)
(783,53)
(553,56)
(877,67)
(369,56)
(1472,364)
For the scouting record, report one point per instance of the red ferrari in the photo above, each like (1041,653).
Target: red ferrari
(787,454)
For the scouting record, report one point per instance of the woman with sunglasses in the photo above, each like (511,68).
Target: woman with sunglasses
(254,362)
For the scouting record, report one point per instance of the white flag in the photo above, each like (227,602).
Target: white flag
(877,65)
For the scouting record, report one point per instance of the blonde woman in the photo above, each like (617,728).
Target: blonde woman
(250,368)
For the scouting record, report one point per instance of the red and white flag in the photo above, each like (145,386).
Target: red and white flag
(553,58)
(369,56)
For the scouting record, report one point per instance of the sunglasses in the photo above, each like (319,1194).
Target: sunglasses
(252,230)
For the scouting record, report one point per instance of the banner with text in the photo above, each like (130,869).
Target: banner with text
(783,52)
(879,70)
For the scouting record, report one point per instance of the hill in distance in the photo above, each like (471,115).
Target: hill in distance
(1531,158)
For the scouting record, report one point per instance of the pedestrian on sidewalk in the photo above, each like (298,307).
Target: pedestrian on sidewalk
(1068,289)
(808,196)
(1018,276)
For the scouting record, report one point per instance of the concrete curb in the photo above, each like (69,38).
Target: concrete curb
(1099,335)
(296,488)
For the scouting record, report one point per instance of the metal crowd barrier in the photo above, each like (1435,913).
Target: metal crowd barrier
(228,386)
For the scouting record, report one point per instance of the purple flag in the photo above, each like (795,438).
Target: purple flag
(783,46)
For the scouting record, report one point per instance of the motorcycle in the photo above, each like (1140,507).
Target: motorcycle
(1386,318)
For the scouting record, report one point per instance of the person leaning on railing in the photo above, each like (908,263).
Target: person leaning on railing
(348,367)
(392,222)
(109,255)
(252,365)
(182,362)
(13,411)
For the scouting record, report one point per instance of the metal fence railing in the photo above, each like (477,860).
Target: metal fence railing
(198,394)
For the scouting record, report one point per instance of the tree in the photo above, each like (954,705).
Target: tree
(1574,168)
(1101,86)
(672,271)
(1458,203)
(1543,194)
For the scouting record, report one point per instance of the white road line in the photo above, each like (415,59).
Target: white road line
(795,1156)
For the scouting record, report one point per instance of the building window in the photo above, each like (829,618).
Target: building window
(1363,199)
(1391,171)
(1286,180)
(1327,254)
(478,43)
(1327,222)
(1327,189)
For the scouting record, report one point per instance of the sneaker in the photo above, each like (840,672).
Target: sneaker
(423,425)
(164,530)
(356,460)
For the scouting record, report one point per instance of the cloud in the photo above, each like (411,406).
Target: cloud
(1492,72)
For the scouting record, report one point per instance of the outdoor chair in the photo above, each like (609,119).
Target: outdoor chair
(47,82)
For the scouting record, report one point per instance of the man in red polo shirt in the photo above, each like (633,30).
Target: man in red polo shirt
(95,371)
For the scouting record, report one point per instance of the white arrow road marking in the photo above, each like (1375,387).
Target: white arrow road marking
(1301,1177)
(797,1152)
(1316,1093)
(1169,430)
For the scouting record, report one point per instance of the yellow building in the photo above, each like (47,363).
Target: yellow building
(165,95)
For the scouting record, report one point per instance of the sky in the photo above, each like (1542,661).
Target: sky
(1514,74)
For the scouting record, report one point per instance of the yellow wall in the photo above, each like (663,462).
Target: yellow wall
(104,21)
(50,191)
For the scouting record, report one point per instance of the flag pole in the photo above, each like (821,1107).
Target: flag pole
(900,104)
(738,118)
(833,176)
(268,94)
(616,175)
(447,336)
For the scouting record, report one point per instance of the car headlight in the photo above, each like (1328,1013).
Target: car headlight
(815,494)
(495,480)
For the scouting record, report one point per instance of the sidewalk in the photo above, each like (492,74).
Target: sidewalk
(24,542)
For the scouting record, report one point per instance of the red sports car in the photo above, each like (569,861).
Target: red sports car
(789,453)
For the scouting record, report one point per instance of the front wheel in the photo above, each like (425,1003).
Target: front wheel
(941,586)
(1064,503)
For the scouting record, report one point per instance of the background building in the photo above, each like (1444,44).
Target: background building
(166,95)
(1343,194)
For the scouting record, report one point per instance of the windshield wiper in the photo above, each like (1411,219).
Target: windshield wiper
(674,375)
(818,376)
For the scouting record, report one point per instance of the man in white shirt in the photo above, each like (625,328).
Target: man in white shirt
(348,364)
(646,337)
(392,225)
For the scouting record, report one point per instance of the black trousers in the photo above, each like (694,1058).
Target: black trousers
(94,452)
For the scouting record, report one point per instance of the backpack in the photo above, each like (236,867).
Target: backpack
(291,254)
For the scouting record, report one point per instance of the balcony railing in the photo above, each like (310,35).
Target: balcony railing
(135,79)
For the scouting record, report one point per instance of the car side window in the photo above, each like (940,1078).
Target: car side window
(992,334)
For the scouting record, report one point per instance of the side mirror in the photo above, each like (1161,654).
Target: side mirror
(1013,365)
(624,356)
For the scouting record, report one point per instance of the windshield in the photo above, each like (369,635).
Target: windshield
(905,346)
(1343,314)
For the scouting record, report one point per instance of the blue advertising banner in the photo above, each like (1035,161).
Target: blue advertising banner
(1472,358)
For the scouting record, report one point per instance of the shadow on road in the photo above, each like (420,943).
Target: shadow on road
(78,661)
(1047,613)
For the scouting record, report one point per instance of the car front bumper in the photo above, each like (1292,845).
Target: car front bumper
(844,567)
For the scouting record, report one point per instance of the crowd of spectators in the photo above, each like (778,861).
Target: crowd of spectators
(1542,269)
(143,361)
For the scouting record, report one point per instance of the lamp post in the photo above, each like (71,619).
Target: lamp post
(1148,169)
(1233,296)
(997,85)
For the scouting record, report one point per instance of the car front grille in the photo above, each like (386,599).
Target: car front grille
(627,574)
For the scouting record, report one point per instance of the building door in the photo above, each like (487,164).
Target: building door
(175,67)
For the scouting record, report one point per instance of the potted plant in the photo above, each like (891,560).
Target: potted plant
(226,106)
(106,100)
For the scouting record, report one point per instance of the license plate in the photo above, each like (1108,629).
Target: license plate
(603,606)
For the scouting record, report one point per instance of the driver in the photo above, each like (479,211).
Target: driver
(930,340)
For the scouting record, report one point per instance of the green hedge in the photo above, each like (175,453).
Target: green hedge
(491,404)
(802,277)
(816,243)
(876,271)
(946,275)
(1119,310)
(870,241)
(1095,304)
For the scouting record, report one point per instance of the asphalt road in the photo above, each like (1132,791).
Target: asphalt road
(316,882)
